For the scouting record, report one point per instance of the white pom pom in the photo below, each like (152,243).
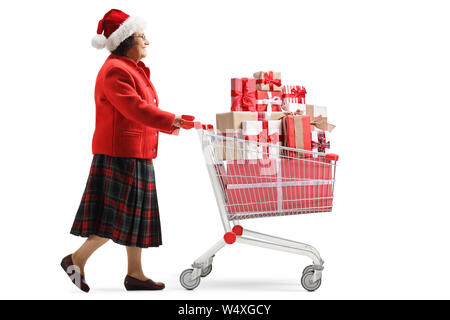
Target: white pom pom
(98,41)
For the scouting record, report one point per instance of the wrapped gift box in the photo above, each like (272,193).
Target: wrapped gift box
(252,171)
(229,124)
(267,131)
(243,94)
(307,184)
(318,115)
(320,141)
(268,101)
(228,148)
(281,186)
(268,81)
(252,185)
(293,94)
(253,199)
(296,134)
(306,169)
(308,199)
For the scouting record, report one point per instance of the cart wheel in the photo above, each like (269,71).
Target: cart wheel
(206,271)
(186,282)
(307,281)
(308,269)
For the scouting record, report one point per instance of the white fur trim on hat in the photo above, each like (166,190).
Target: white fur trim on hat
(126,29)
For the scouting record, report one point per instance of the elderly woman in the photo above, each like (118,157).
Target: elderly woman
(120,202)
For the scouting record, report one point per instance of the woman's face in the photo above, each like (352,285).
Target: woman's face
(140,43)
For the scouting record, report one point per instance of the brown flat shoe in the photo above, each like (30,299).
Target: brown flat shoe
(136,284)
(72,271)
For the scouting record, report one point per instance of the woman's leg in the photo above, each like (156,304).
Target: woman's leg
(80,257)
(135,264)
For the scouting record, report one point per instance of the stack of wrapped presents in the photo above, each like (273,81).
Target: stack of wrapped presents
(263,110)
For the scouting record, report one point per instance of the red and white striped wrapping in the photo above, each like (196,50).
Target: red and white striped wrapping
(268,131)
(293,94)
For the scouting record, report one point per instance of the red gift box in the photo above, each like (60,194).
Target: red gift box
(307,184)
(252,171)
(308,199)
(296,134)
(252,200)
(252,185)
(306,169)
(269,101)
(243,96)
(281,186)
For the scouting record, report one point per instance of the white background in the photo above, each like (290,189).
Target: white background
(381,67)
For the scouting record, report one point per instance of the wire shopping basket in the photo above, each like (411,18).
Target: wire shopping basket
(254,179)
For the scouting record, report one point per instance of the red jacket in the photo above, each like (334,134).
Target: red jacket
(128,119)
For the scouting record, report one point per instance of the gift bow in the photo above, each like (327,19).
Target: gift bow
(298,92)
(264,137)
(270,101)
(244,99)
(268,79)
(321,143)
(322,124)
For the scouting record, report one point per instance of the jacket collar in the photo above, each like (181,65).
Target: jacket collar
(131,62)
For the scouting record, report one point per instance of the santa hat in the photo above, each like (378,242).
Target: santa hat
(116,26)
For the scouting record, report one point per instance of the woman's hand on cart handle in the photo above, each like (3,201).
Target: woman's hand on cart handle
(184,121)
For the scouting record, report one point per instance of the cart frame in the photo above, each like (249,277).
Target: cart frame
(234,232)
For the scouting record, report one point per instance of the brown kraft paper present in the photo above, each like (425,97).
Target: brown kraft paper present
(229,124)
(268,81)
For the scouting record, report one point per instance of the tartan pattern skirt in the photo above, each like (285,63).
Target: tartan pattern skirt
(120,202)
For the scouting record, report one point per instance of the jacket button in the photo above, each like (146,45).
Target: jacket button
(154,100)
(154,150)
(156,134)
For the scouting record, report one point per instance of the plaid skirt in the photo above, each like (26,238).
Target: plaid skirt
(120,202)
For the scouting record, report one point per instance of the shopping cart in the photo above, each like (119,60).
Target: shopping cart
(272,181)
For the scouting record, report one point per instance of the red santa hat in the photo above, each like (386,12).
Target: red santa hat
(116,26)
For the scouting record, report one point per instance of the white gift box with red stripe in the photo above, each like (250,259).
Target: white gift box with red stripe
(268,131)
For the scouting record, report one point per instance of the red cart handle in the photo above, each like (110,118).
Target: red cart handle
(187,122)
(332,156)
(187,117)
(199,125)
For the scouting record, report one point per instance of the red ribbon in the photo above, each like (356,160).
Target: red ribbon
(299,93)
(268,79)
(264,137)
(321,144)
(245,100)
